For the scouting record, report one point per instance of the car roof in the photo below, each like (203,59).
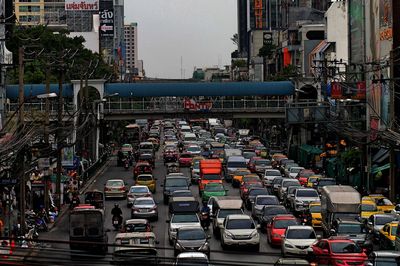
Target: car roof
(135,234)
(113,180)
(139,186)
(300,227)
(190,228)
(386,253)
(144,198)
(136,221)
(192,255)
(284,217)
(238,216)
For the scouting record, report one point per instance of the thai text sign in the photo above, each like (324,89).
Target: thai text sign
(82,5)
(192,105)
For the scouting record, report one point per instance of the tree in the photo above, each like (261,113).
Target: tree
(235,39)
(44,48)
(267,50)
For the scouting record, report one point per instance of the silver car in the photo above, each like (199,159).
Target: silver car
(137,192)
(144,208)
(115,188)
(260,202)
(303,197)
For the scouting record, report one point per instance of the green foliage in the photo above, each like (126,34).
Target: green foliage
(239,63)
(44,49)
(351,157)
(267,50)
(288,72)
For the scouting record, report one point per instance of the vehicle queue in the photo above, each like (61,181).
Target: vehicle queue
(302,213)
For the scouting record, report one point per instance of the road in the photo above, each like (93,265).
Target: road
(59,254)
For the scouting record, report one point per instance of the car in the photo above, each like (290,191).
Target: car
(303,176)
(185,159)
(135,248)
(291,261)
(269,212)
(245,187)
(298,240)
(276,183)
(193,150)
(284,185)
(387,236)
(338,251)
(195,172)
(237,176)
(191,239)
(147,157)
(147,180)
(315,212)
(213,189)
(144,208)
(142,168)
(261,201)
(137,192)
(352,229)
(181,193)
(251,195)
(383,257)
(313,180)
(239,230)
(294,171)
(248,155)
(324,182)
(289,195)
(377,221)
(302,198)
(179,220)
(115,188)
(173,183)
(368,208)
(276,228)
(261,165)
(136,225)
(191,259)
(269,176)
(6,251)
(252,164)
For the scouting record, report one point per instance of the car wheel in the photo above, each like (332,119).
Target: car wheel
(257,248)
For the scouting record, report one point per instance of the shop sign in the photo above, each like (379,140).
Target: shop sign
(192,105)
(83,5)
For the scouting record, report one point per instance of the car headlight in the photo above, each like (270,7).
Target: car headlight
(205,246)
(254,233)
(228,234)
(288,245)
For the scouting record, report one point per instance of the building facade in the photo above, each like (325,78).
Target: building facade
(131,50)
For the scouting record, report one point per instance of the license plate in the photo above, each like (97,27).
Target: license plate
(115,222)
(143,210)
(303,252)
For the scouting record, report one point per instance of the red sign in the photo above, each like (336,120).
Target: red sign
(336,91)
(192,105)
(361,90)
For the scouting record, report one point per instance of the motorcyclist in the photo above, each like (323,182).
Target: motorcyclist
(116,212)
(205,215)
(75,201)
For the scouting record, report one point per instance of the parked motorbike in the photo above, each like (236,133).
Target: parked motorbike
(117,222)
(205,220)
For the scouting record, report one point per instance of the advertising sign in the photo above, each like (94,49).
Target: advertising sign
(385,20)
(347,90)
(82,5)
(107,22)
(192,105)
(68,157)
(356,15)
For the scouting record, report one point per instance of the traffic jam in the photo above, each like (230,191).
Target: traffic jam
(248,193)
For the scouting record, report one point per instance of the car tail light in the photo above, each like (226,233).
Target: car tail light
(147,195)
(107,189)
(121,189)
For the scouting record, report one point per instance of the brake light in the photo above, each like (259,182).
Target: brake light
(121,189)
(148,195)
(107,189)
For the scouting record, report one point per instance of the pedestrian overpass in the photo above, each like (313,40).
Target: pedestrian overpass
(127,101)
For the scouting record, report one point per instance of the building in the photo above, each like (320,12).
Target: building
(131,48)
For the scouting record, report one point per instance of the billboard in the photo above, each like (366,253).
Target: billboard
(348,90)
(192,105)
(107,22)
(356,15)
(82,5)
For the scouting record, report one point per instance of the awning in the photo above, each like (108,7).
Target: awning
(375,170)
(310,149)
(381,155)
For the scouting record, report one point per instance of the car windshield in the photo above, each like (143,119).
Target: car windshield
(225,212)
(144,202)
(249,155)
(382,220)
(186,155)
(272,173)
(323,182)
(277,180)
(236,164)
(387,261)
(136,228)
(345,247)
(241,173)
(267,201)
(283,224)
(114,183)
(192,262)
(193,149)
(290,183)
(384,202)
(212,177)
(306,193)
(255,192)
(240,224)
(295,170)
(251,179)
(263,162)
(315,209)
(365,207)
(393,230)
(176,182)
(274,211)
(192,234)
(182,194)
(144,178)
(350,228)
(185,218)
(300,234)
(139,190)
(214,187)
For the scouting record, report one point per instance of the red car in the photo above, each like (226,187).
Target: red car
(185,159)
(338,251)
(304,175)
(252,164)
(277,228)
(142,167)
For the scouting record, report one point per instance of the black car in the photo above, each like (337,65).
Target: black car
(172,184)
(252,194)
(269,211)
(191,239)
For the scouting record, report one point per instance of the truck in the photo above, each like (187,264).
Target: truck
(337,202)
(210,171)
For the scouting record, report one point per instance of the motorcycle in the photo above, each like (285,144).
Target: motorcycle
(126,165)
(205,220)
(117,221)
(74,203)
(39,222)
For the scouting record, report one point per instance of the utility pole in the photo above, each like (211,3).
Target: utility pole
(46,136)
(59,132)
(392,176)
(21,99)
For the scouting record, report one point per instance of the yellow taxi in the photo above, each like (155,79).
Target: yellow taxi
(368,208)
(237,176)
(313,179)
(147,180)
(315,211)
(383,203)
(387,236)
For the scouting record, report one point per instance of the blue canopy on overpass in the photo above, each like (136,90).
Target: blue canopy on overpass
(281,88)
(31,90)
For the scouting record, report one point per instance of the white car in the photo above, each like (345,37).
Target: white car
(179,220)
(269,176)
(294,171)
(191,258)
(298,240)
(194,150)
(240,230)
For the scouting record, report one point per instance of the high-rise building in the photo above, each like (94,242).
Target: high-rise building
(131,48)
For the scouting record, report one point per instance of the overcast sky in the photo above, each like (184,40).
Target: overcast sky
(199,31)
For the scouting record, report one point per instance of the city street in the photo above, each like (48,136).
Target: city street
(59,252)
